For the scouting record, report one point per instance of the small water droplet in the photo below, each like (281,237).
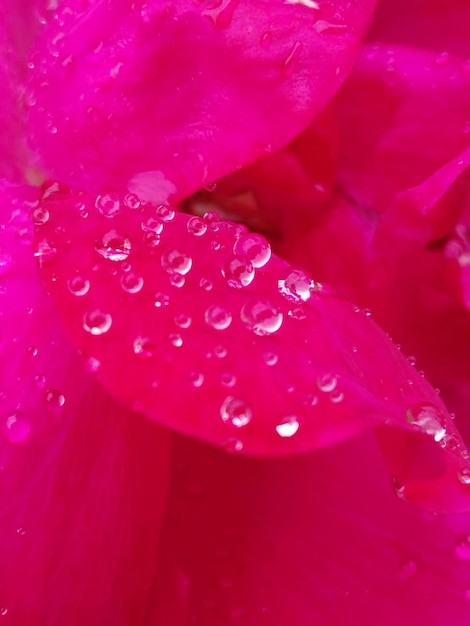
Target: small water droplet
(78,286)
(197,226)
(93,364)
(132,282)
(3,611)
(261,317)
(16,428)
(238,272)
(177,280)
(40,215)
(270,358)
(40,381)
(408,569)
(166,213)
(152,225)
(210,187)
(288,426)
(161,300)
(108,204)
(176,340)
(412,360)
(97,322)
(254,248)
(464,475)
(428,418)
(205,284)
(144,347)
(55,401)
(266,39)
(151,239)
(132,201)
(233,445)
(235,412)
(113,246)
(45,251)
(367,312)
(336,396)
(220,352)
(182,320)
(196,379)
(218,317)
(327,382)
(228,380)
(174,261)
(211,217)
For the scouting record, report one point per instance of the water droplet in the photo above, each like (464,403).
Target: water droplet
(144,347)
(197,226)
(205,284)
(40,381)
(327,382)
(40,215)
(210,187)
(298,313)
(220,352)
(78,286)
(428,418)
(16,428)
(55,401)
(336,396)
(3,611)
(235,412)
(270,358)
(233,445)
(161,300)
(367,312)
(166,213)
(182,320)
(412,360)
(462,548)
(132,282)
(211,217)
(113,246)
(45,251)
(288,426)
(176,340)
(96,322)
(218,317)
(132,201)
(266,40)
(177,280)
(254,248)
(174,261)
(261,317)
(152,225)
(238,272)
(297,286)
(108,204)
(464,475)
(151,239)
(93,364)
(228,380)
(196,379)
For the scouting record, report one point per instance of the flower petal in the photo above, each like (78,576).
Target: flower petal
(316,539)
(191,89)
(187,319)
(83,479)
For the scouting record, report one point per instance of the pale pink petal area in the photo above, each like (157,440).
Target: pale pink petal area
(403,116)
(439,25)
(186,319)
(83,480)
(316,539)
(191,90)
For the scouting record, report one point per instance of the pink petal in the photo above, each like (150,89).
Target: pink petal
(83,479)
(317,539)
(191,90)
(183,328)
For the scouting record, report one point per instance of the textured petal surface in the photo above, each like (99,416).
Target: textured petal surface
(185,319)
(83,479)
(191,89)
(317,539)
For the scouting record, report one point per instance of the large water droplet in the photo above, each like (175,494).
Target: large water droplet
(235,412)
(238,272)
(218,317)
(108,204)
(428,418)
(262,317)
(97,322)
(176,261)
(288,426)
(113,246)
(254,248)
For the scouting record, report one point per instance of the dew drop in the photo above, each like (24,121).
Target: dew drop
(261,317)
(196,379)
(97,322)
(108,204)
(161,300)
(132,282)
(238,272)
(211,217)
(464,475)
(182,320)
(235,412)
(218,317)
(327,382)
(93,364)
(176,340)
(113,246)
(270,358)
(16,428)
(166,213)
(254,248)
(174,261)
(78,286)
(144,347)
(131,201)
(232,445)
(428,418)
(55,401)
(197,226)
(205,284)
(297,286)
(228,380)
(151,239)
(288,426)
(152,225)
(177,280)
(40,215)
(220,352)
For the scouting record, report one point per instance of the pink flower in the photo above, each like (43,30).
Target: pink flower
(157,365)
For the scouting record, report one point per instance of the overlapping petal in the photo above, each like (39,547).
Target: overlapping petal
(83,479)
(183,89)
